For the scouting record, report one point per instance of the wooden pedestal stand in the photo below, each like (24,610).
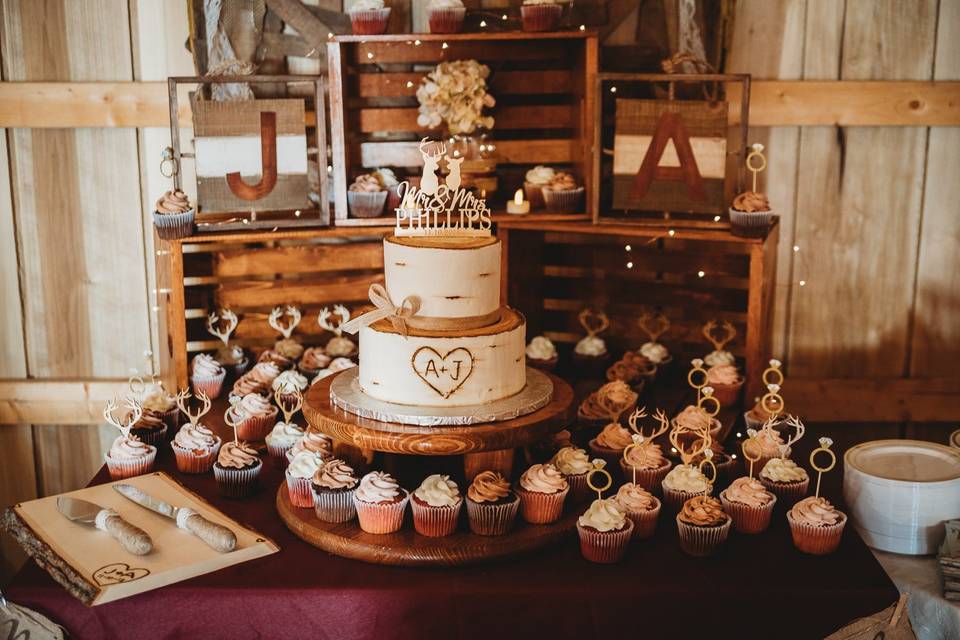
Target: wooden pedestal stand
(483,446)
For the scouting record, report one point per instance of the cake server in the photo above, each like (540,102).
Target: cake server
(217,536)
(134,539)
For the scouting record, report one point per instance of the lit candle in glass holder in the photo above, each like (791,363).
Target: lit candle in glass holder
(518,206)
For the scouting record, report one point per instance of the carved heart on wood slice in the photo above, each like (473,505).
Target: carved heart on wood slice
(444,374)
(117,573)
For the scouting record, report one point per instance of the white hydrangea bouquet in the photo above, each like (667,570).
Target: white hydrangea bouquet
(455,93)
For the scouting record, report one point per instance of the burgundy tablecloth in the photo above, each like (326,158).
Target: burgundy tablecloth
(760,587)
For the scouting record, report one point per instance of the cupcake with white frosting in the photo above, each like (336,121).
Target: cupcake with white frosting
(542,354)
(574,464)
(534,182)
(380,502)
(684,481)
(785,479)
(604,531)
(282,438)
(255,415)
(207,376)
(128,457)
(436,505)
(299,475)
(195,448)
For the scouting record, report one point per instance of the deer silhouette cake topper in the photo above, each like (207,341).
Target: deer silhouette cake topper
(440,208)
(284,320)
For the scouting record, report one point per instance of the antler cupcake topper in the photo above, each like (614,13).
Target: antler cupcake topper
(799,430)
(222,324)
(280,395)
(700,443)
(722,340)
(183,402)
(756,162)
(323,319)
(752,440)
(660,325)
(598,468)
(230,421)
(641,413)
(825,444)
(276,320)
(125,424)
(593,322)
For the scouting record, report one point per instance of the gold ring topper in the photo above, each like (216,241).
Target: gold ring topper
(825,444)
(598,468)
(708,398)
(772,401)
(756,155)
(708,460)
(697,368)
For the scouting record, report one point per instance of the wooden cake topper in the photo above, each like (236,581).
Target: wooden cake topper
(772,401)
(281,395)
(440,209)
(325,316)
(285,320)
(183,402)
(654,325)
(232,422)
(708,461)
(697,379)
(756,162)
(825,444)
(799,430)
(719,341)
(598,469)
(129,420)
(593,322)
(639,437)
(699,445)
(752,440)
(222,324)
(443,373)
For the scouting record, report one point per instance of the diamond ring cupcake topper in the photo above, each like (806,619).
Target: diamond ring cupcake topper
(756,162)
(754,445)
(137,386)
(695,373)
(825,444)
(598,469)
(708,399)
(772,402)
(708,462)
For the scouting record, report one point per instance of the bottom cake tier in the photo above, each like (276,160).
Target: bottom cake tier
(444,368)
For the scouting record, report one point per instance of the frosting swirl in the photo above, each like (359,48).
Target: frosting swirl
(204,366)
(562,181)
(751,202)
(654,352)
(571,461)
(148,421)
(129,448)
(274,357)
(540,175)
(196,438)
(378,486)
(543,478)
(173,202)
(386,176)
(614,436)
(488,486)
(291,380)
(335,474)
(154,398)
(748,491)
(237,455)
(253,405)
(783,470)
(633,498)
(288,348)
(703,511)
(314,359)
(694,419)
(339,347)
(541,348)
(715,358)
(723,374)
(591,346)
(646,455)
(304,464)
(685,477)
(815,512)
(367,182)
(313,442)
(438,491)
(769,441)
(284,435)
(604,515)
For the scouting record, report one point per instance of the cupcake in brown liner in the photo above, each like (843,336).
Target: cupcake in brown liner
(491,505)
(816,526)
(436,506)
(334,484)
(563,194)
(534,182)
(207,376)
(703,526)
(684,482)
(154,399)
(369,17)
(604,531)
(446,16)
(234,359)
(641,507)
(726,382)
(748,504)
(150,429)
(542,490)
(195,448)
(173,216)
(282,438)
(574,464)
(128,457)
(366,197)
(299,476)
(312,361)
(608,403)
(634,369)
(255,416)
(380,502)
(610,443)
(236,470)
(542,354)
(785,479)
(540,15)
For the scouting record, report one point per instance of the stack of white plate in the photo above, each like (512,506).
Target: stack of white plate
(900,492)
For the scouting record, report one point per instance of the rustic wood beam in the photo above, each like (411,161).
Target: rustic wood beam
(874,400)
(772,103)
(76,401)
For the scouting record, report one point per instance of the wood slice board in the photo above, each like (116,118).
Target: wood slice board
(407,548)
(370,434)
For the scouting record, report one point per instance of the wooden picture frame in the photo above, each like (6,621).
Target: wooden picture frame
(237,201)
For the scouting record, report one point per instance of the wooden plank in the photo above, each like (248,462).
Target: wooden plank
(376,120)
(314,258)
(12,348)
(936,330)
(49,401)
(859,227)
(406,154)
(874,400)
(18,483)
(432,50)
(395,85)
(68,455)
(348,288)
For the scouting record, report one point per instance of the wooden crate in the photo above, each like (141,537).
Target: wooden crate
(543,83)
(552,271)
(251,273)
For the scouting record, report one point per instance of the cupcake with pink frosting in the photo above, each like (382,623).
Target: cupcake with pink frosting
(694,419)
(605,531)
(542,490)
(129,457)
(173,216)
(314,442)
(255,415)
(610,442)
(281,439)
(641,506)
(207,375)
(816,526)
(380,502)
(258,380)
(563,194)
(366,196)
(333,485)
(749,504)
(766,443)
(645,465)
(726,381)
(369,17)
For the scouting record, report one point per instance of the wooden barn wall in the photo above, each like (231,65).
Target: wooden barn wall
(873,210)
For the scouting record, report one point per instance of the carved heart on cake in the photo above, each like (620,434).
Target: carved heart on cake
(443,373)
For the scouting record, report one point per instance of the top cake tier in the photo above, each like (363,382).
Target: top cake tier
(456,279)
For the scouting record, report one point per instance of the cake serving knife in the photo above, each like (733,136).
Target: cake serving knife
(134,539)
(216,536)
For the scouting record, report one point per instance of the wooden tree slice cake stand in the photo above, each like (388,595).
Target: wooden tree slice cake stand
(484,446)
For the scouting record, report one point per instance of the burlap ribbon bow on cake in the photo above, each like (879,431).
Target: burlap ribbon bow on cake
(396,314)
